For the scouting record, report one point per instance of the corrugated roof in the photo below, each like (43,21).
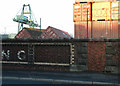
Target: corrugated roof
(33,32)
(35,29)
(61,34)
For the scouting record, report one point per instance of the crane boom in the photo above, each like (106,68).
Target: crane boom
(25,18)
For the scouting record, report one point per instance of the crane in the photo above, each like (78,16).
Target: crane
(25,17)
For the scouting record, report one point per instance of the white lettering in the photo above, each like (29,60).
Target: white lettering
(21,55)
(5,55)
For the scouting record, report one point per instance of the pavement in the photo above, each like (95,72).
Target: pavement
(41,77)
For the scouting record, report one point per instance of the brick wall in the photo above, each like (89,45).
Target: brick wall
(101,55)
(52,53)
(96,56)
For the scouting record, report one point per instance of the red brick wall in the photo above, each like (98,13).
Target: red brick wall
(52,53)
(96,56)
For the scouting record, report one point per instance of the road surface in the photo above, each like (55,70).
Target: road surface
(82,78)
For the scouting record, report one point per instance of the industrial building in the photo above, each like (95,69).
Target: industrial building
(49,33)
(29,33)
(54,33)
(102,20)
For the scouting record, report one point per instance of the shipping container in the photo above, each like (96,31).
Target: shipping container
(81,29)
(118,29)
(96,0)
(97,29)
(114,10)
(96,11)
(77,12)
(80,12)
(105,10)
(101,11)
(103,19)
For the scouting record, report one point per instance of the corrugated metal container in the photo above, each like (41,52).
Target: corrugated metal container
(96,11)
(80,12)
(114,10)
(97,29)
(101,11)
(81,29)
(95,0)
(105,29)
(86,6)
(118,30)
(103,19)
(105,10)
(77,12)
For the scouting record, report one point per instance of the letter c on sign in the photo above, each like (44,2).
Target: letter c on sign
(21,55)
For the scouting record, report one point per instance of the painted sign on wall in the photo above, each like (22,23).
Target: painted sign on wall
(14,53)
(20,55)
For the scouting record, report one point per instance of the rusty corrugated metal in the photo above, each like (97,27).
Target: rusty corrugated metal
(81,30)
(103,22)
(97,29)
(118,30)
(105,29)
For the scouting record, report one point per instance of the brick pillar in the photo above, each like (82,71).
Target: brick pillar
(96,56)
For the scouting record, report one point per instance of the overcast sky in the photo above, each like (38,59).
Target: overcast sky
(56,13)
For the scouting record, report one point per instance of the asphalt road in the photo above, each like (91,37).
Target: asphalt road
(83,78)
(42,83)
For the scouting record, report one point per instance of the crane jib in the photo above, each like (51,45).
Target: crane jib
(25,17)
